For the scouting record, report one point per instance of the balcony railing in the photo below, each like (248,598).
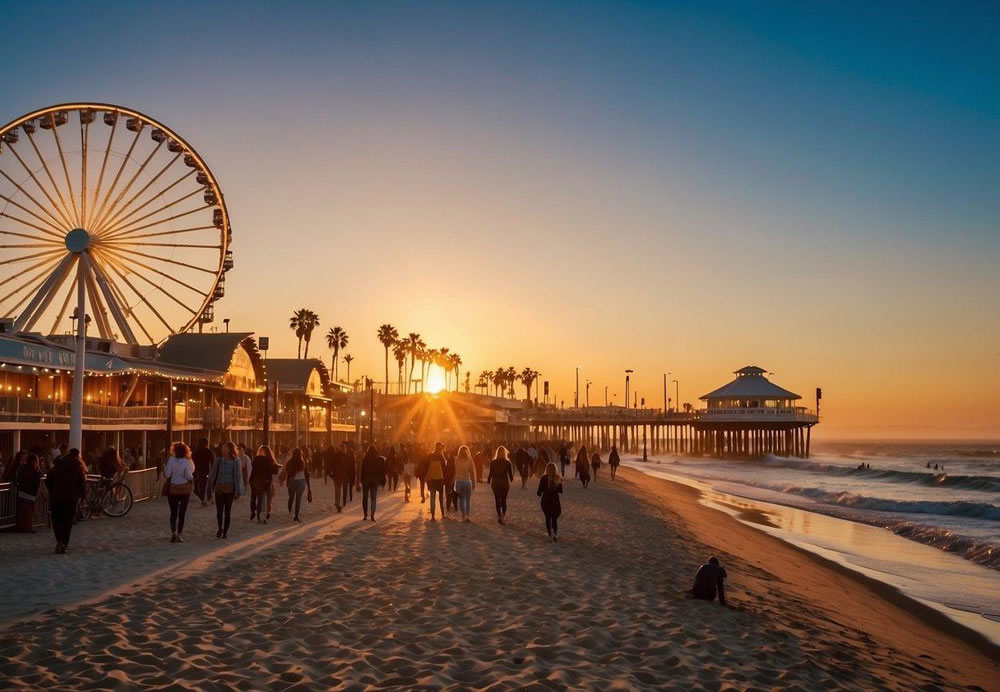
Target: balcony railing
(798,414)
(23,410)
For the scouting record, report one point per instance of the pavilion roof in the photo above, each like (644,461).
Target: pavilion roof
(293,374)
(750,383)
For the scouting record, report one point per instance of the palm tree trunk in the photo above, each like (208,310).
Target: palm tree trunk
(300,348)
(386,369)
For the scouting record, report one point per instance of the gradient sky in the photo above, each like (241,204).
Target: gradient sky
(693,187)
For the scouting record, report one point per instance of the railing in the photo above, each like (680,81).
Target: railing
(8,505)
(24,410)
(143,483)
(758,413)
(603,413)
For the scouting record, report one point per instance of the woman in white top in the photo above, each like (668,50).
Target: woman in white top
(179,475)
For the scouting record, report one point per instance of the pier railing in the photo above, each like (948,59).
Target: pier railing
(797,414)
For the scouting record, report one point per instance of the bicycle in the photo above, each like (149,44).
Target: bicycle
(108,496)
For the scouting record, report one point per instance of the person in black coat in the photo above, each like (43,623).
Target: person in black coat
(710,579)
(500,476)
(371,476)
(523,462)
(614,461)
(550,487)
(66,483)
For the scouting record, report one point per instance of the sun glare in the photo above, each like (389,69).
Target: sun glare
(435,382)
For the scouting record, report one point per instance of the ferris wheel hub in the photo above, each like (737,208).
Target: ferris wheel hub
(77,240)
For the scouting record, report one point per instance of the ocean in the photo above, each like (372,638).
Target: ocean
(891,486)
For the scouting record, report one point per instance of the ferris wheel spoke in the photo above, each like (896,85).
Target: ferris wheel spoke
(61,207)
(115,255)
(24,258)
(191,245)
(119,221)
(145,300)
(29,235)
(27,223)
(99,308)
(62,157)
(141,297)
(121,230)
(43,292)
(84,136)
(104,164)
(112,302)
(165,260)
(62,310)
(121,195)
(118,175)
(23,245)
(57,227)
(29,291)
(159,234)
(48,263)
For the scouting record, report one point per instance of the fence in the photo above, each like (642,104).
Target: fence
(144,485)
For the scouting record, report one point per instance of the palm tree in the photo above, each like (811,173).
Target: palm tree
(415,345)
(528,377)
(387,334)
(499,379)
(297,324)
(429,357)
(399,351)
(347,359)
(511,379)
(443,360)
(468,376)
(456,363)
(485,377)
(304,321)
(336,339)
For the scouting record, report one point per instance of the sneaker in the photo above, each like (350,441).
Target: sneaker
(468,521)
(60,549)
(364,518)
(295,519)
(179,539)
(218,534)
(555,539)
(173,539)
(373,520)
(500,521)
(225,535)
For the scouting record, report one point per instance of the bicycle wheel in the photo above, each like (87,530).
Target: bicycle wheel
(117,500)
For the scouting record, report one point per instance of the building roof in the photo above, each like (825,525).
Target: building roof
(293,374)
(750,383)
(207,351)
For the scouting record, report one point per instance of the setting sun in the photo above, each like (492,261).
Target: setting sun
(435,382)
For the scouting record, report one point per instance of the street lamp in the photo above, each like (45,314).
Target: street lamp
(677,394)
(588,393)
(605,396)
(576,396)
(627,374)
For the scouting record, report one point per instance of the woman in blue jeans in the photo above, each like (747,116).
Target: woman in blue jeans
(297,477)
(225,482)
(465,481)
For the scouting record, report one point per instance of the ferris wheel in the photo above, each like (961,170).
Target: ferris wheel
(102,202)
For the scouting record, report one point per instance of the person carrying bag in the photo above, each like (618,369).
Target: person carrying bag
(226,483)
(178,486)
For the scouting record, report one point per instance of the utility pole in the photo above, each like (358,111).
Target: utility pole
(665,402)
(605,396)
(588,393)
(677,394)
(576,396)
(628,373)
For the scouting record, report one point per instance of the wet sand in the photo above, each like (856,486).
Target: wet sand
(407,603)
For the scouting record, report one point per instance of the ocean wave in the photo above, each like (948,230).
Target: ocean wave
(986,554)
(962,508)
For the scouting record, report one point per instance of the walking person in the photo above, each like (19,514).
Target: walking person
(523,462)
(465,481)
(297,478)
(614,461)
(595,463)
(435,477)
(263,468)
(343,476)
(409,469)
(29,480)
(371,477)
(449,482)
(500,476)
(225,483)
(203,458)
(66,483)
(178,474)
(392,468)
(550,487)
(583,467)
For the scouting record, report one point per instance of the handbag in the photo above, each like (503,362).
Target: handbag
(224,488)
(182,488)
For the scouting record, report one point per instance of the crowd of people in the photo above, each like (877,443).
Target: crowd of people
(445,476)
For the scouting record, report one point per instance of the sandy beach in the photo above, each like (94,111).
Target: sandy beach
(406,603)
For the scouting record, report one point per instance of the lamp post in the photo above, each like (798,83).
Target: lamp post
(588,393)
(576,396)
(76,406)
(628,373)
(677,394)
(605,396)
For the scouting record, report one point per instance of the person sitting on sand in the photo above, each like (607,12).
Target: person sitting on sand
(709,580)
(550,487)
(614,461)
(583,467)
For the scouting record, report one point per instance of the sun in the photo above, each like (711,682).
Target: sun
(435,382)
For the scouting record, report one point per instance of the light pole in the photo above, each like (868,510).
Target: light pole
(576,396)
(76,406)
(665,397)
(628,373)
(605,396)
(677,394)
(588,393)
